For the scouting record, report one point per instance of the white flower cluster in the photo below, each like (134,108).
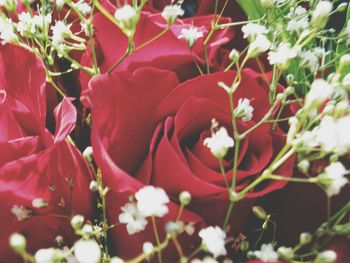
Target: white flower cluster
(256,35)
(219,142)
(7,34)
(191,35)
(265,254)
(29,25)
(244,109)
(150,201)
(172,12)
(299,20)
(333,178)
(213,240)
(281,55)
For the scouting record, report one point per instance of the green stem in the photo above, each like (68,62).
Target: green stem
(222,169)
(155,230)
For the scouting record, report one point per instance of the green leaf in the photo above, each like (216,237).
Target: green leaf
(252,8)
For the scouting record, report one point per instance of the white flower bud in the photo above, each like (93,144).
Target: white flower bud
(185,198)
(234,55)
(219,143)
(48,255)
(320,91)
(94,186)
(39,203)
(305,238)
(77,221)
(87,251)
(304,166)
(148,248)
(342,7)
(259,45)
(286,253)
(328,256)
(18,242)
(88,154)
(259,212)
(191,35)
(87,229)
(321,14)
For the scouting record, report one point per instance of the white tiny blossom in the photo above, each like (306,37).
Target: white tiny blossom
(282,54)
(266,253)
(298,25)
(213,239)
(7,34)
(333,135)
(116,260)
(21,212)
(151,201)
(59,4)
(334,178)
(320,91)
(244,109)
(258,46)
(45,255)
(83,7)
(299,11)
(252,30)
(172,12)
(127,18)
(87,251)
(134,220)
(309,59)
(147,248)
(191,35)
(60,31)
(219,142)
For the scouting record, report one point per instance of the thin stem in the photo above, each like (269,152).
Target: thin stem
(222,169)
(228,214)
(52,83)
(153,38)
(178,247)
(155,230)
(291,179)
(127,53)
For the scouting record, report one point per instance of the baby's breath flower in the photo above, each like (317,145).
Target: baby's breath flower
(39,203)
(7,34)
(83,7)
(172,12)
(321,14)
(213,240)
(60,31)
(328,256)
(258,46)
(333,135)
(320,91)
(333,178)
(18,242)
(45,255)
(266,253)
(151,201)
(298,25)
(219,142)
(282,55)
(87,251)
(252,30)
(134,220)
(148,248)
(191,35)
(309,59)
(244,109)
(21,212)
(127,18)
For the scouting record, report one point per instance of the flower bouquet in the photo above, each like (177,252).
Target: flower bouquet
(174,131)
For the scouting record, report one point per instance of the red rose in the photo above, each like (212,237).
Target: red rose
(167,52)
(149,129)
(33,162)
